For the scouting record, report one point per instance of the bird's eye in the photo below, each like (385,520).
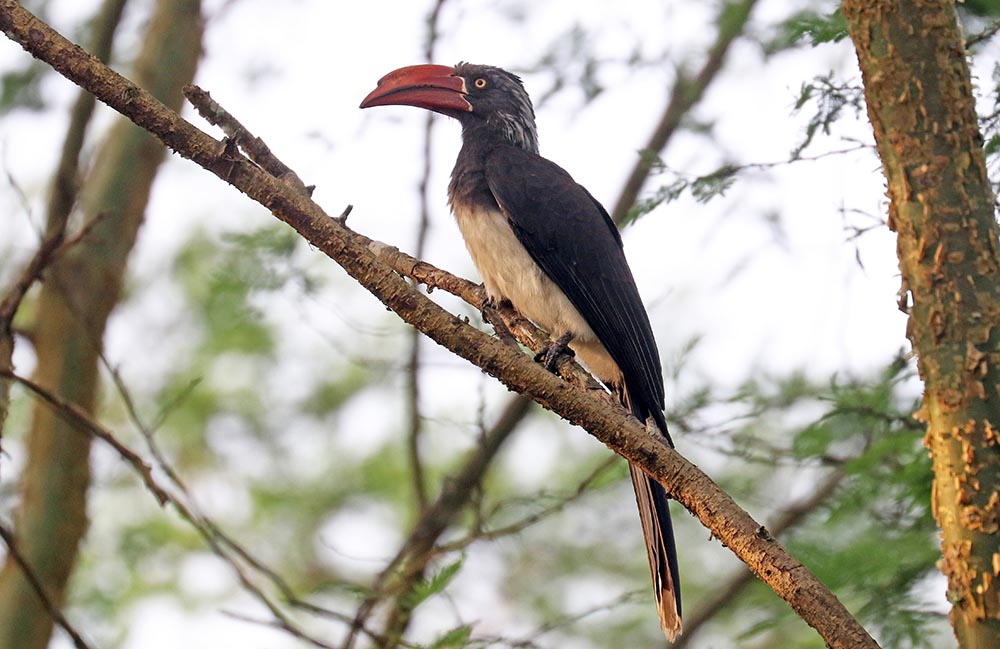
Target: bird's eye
(480,83)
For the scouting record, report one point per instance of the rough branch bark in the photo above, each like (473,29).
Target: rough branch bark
(922,109)
(692,488)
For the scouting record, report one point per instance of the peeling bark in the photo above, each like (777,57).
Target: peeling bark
(922,110)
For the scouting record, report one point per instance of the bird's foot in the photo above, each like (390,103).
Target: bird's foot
(549,355)
(490,313)
(492,303)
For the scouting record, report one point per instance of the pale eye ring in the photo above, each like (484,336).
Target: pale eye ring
(480,83)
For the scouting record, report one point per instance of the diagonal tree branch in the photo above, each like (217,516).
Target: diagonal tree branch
(731,589)
(686,483)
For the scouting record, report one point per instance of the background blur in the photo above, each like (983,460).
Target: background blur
(288,398)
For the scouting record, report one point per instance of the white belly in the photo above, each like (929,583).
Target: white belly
(508,271)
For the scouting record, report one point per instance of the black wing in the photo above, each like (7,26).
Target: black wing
(574,241)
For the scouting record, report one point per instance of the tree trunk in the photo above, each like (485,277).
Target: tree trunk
(77,296)
(922,109)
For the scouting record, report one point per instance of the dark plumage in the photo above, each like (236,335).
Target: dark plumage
(540,240)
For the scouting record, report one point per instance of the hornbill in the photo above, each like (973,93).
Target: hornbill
(541,241)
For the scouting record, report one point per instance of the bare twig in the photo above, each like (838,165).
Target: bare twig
(524,523)
(529,640)
(985,35)
(77,416)
(51,248)
(410,561)
(29,575)
(293,631)
(253,146)
(504,318)
(62,194)
(449,503)
(204,524)
(207,527)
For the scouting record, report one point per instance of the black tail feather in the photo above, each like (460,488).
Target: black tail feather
(658,531)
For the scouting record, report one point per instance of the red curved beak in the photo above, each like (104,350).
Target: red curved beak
(434,87)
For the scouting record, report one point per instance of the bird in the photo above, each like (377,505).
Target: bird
(543,243)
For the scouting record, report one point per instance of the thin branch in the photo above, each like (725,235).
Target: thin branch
(207,529)
(415,421)
(399,617)
(505,320)
(687,92)
(253,146)
(36,585)
(685,482)
(524,523)
(417,550)
(279,625)
(65,183)
(985,35)
(51,248)
(410,561)
(298,633)
(77,416)
(529,639)
(206,525)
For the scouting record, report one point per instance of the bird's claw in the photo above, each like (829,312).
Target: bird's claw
(492,303)
(489,310)
(549,355)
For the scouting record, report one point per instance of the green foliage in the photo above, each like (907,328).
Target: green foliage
(436,583)
(702,188)
(811,27)
(992,145)
(873,539)
(222,278)
(981,8)
(830,98)
(453,639)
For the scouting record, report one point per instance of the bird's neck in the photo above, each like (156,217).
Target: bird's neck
(481,139)
(468,179)
(500,128)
